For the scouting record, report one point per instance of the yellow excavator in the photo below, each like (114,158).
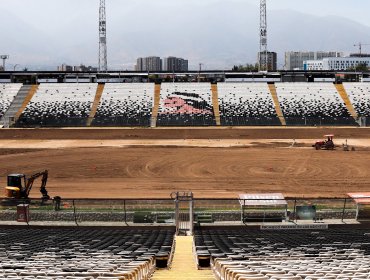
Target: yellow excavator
(19,186)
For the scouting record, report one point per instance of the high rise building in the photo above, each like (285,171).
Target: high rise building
(175,64)
(83,68)
(65,68)
(295,60)
(271,60)
(149,64)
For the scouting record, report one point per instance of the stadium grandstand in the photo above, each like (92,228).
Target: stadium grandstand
(125,105)
(184,104)
(246,104)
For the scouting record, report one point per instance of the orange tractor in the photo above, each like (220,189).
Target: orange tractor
(327,144)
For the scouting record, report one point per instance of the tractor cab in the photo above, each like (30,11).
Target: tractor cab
(16,185)
(327,144)
(329,137)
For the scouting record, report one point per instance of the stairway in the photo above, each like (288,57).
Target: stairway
(155,110)
(31,92)
(279,112)
(216,106)
(16,108)
(343,93)
(94,107)
(183,264)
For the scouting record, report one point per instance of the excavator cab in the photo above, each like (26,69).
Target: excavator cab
(19,186)
(16,185)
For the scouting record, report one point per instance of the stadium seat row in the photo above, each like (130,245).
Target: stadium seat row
(190,104)
(255,254)
(82,253)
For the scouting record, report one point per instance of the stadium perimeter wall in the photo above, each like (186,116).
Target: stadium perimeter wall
(186,133)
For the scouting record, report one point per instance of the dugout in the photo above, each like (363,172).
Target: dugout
(362,201)
(263,207)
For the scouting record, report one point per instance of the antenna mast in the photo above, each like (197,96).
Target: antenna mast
(103,64)
(263,63)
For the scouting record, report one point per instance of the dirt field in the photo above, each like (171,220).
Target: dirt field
(108,169)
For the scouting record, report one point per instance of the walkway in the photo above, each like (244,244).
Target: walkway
(183,264)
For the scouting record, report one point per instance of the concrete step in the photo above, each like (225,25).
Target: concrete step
(343,94)
(16,105)
(155,110)
(216,106)
(27,98)
(275,98)
(94,107)
(183,266)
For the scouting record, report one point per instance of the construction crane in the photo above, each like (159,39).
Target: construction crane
(360,45)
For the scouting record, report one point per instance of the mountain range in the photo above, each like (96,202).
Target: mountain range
(219,35)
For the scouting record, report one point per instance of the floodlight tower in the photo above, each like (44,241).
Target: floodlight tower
(4,58)
(103,64)
(263,59)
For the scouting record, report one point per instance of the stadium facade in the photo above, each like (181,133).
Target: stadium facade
(336,63)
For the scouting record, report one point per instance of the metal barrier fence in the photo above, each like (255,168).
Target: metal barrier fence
(187,120)
(162,211)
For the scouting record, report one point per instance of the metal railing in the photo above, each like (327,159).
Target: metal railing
(162,211)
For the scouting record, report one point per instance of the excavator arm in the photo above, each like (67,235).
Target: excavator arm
(30,181)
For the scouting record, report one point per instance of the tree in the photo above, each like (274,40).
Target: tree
(245,68)
(362,67)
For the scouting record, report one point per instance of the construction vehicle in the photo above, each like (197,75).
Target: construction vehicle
(19,186)
(327,144)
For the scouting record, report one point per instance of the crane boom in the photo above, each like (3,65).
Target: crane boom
(359,45)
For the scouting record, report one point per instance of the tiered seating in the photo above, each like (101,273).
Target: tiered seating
(186,104)
(254,254)
(125,105)
(81,253)
(243,104)
(7,94)
(359,95)
(59,105)
(312,104)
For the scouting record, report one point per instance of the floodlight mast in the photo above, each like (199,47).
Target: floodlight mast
(103,63)
(263,56)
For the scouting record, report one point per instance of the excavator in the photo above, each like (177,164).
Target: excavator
(19,186)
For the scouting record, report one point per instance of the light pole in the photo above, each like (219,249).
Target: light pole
(200,70)
(4,58)
(15,66)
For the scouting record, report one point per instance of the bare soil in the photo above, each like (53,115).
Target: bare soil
(213,172)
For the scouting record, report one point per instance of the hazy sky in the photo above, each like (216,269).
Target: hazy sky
(58,12)
(50,32)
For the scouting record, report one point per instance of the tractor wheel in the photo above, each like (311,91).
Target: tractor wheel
(317,147)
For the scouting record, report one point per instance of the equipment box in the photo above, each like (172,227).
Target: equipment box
(23,213)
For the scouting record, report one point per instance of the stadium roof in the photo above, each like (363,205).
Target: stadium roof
(262,199)
(361,198)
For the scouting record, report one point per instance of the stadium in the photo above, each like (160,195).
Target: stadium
(184,175)
(255,198)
